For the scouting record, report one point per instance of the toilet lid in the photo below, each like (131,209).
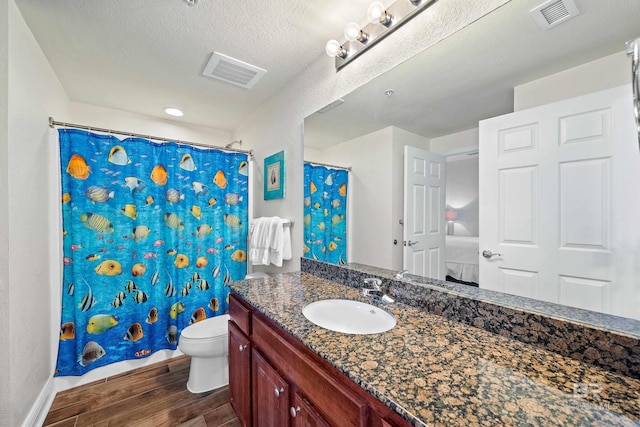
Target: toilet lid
(209,328)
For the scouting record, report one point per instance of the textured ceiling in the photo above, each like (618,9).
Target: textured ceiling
(144,55)
(470,76)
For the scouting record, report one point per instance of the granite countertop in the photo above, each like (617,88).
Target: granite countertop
(434,371)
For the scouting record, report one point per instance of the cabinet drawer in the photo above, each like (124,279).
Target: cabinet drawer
(325,390)
(240,314)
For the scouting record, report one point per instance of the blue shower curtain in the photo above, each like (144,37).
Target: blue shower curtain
(153,233)
(325,214)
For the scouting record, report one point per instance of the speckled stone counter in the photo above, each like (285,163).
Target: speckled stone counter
(436,371)
(603,340)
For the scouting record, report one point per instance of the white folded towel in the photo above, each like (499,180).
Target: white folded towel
(269,241)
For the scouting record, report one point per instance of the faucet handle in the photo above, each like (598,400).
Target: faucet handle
(400,274)
(373,283)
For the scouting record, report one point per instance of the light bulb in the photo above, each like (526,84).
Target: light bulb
(377,14)
(332,48)
(375,11)
(351,31)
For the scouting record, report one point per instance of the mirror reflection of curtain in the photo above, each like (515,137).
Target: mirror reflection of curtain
(325,214)
(153,235)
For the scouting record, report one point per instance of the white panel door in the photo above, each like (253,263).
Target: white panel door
(424,232)
(558,196)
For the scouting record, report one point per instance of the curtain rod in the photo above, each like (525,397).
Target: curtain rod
(53,123)
(347,168)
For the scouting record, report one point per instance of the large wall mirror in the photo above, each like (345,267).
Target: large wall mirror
(502,64)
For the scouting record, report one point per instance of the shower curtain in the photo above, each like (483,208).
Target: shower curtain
(325,214)
(153,233)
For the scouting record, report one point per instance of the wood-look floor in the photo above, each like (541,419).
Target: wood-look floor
(155,395)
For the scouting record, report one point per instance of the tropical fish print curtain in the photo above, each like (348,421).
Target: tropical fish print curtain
(325,214)
(153,235)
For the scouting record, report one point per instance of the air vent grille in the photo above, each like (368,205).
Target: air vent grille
(232,71)
(554,12)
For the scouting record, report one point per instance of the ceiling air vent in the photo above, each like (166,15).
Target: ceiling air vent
(232,71)
(554,12)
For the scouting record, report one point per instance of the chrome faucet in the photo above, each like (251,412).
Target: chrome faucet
(374,289)
(400,274)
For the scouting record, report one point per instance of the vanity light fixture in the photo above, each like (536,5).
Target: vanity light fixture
(173,112)
(382,22)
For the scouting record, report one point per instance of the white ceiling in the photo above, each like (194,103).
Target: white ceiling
(470,76)
(144,55)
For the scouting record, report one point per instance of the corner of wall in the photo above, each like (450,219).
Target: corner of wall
(40,409)
(5,352)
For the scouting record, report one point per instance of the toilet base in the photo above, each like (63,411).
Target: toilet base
(209,373)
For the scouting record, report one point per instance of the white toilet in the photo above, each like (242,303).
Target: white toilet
(208,345)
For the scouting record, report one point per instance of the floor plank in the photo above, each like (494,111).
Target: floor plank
(152,396)
(220,416)
(195,422)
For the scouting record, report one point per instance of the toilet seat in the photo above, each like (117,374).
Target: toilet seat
(207,329)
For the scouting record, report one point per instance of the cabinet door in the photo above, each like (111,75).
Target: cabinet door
(304,414)
(270,394)
(240,374)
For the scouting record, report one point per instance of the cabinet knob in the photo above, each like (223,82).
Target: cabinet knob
(277,391)
(294,411)
(243,347)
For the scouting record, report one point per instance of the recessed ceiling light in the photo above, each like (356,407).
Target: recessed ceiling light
(173,112)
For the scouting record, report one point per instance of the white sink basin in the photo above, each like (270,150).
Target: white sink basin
(349,317)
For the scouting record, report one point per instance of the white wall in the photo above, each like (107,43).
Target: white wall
(604,73)
(5,306)
(278,124)
(32,201)
(462,195)
(455,142)
(370,183)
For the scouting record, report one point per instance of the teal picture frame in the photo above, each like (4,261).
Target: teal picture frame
(274,176)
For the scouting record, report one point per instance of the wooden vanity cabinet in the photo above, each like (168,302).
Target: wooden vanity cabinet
(240,373)
(274,380)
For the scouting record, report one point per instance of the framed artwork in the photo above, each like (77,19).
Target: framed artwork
(274,176)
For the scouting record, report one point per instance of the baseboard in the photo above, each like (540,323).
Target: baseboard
(40,408)
(103,372)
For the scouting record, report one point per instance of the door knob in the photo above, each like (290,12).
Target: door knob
(294,411)
(242,347)
(277,391)
(409,243)
(488,254)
